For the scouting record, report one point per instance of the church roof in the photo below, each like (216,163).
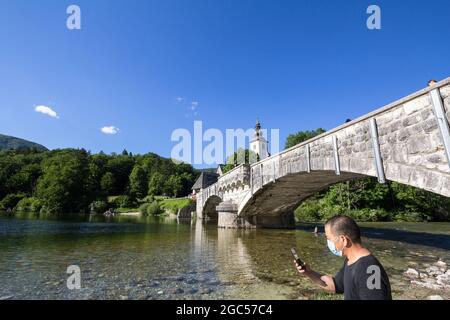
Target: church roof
(205,180)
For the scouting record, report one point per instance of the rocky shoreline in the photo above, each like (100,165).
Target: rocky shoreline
(431,276)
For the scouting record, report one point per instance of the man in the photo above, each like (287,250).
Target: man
(362,277)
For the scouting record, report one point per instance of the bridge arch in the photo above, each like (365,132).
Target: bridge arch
(273,204)
(209,208)
(278,195)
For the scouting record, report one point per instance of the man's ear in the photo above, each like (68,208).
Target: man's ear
(347,243)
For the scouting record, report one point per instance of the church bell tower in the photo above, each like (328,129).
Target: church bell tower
(259,144)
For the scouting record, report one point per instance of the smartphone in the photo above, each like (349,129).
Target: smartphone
(296,258)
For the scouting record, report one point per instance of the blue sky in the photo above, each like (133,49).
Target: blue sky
(296,65)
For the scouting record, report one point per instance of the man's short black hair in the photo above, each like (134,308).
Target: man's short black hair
(344,225)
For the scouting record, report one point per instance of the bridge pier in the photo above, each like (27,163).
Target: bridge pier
(281,221)
(229,218)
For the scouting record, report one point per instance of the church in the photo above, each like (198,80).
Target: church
(259,144)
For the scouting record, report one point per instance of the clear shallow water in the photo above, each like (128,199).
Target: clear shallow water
(157,258)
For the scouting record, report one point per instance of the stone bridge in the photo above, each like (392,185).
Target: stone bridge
(407,141)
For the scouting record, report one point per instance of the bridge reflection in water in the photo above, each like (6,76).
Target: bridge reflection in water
(257,264)
(246,260)
(222,251)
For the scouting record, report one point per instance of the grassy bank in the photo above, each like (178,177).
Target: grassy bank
(162,205)
(173,205)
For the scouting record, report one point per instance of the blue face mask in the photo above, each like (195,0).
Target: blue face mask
(333,249)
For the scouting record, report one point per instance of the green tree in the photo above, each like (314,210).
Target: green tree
(63,185)
(138,182)
(301,136)
(156,184)
(239,157)
(97,170)
(173,186)
(11,200)
(153,209)
(187,181)
(19,171)
(107,183)
(120,167)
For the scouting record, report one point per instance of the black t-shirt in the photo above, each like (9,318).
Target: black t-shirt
(364,279)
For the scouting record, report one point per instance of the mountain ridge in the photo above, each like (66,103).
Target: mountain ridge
(14,143)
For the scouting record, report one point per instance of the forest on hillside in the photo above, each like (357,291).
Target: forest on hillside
(74,180)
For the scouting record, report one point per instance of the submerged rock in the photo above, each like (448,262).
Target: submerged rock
(192,291)
(154,284)
(412,273)
(191,281)
(443,279)
(423,275)
(176,291)
(441,264)
(205,291)
(434,271)
(175,278)
(428,285)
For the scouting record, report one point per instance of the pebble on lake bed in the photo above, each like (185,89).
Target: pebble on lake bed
(413,273)
(434,271)
(435,277)
(176,291)
(441,264)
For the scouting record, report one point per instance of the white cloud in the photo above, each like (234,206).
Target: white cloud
(110,130)
(194,105)
(180,99)
(46,110)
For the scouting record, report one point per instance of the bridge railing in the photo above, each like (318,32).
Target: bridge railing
(349,147)
(237,176)
(360,119)
(206,193)
(374,113)
(265,171)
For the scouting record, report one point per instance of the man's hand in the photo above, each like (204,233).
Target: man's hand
(326,282)
(301,269)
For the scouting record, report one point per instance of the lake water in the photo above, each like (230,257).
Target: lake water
(162,258)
